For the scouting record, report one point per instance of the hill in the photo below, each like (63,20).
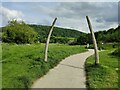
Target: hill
(58,32)
(111,35)
(59,35)
(106,36)
(63,35)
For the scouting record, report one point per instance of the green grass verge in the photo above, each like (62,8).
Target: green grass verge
(0,67)
(104,75)
(23,64)
(105,46)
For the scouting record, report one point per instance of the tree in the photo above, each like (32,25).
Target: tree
(82,40)
(18,32)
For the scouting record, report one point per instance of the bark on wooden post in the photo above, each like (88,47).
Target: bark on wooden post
(94,42)
(48,39)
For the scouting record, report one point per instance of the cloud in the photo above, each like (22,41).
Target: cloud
(60,1)
(80,10)
(102,15)
(8,14)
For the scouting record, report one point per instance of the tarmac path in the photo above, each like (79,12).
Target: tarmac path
(69,73)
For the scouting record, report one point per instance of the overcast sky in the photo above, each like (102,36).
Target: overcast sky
(103,15)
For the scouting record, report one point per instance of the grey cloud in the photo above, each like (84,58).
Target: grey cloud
(81,9)
(103,15)
(72,14)
(8,14)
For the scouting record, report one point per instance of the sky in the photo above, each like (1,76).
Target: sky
(71,14)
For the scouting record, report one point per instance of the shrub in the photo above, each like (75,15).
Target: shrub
(116,52)
(18,32)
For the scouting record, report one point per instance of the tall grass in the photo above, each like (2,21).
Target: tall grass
(104,75)
(0,66)
(23,64)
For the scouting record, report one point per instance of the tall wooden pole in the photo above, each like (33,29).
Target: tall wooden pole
(48,39)
(94,42)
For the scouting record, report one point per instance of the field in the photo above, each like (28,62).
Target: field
(23,64)
(0,67)
(104,75)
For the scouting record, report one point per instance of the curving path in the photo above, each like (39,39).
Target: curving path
(69,73)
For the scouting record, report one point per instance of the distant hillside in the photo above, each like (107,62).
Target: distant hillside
(106,36)
(69,36)
(59,35)
(58,32)
(111,35)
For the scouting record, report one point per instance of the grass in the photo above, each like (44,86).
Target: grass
(105,46)
(0,67)
(104,75)
(23,64)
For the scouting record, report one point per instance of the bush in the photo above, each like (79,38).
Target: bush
(116,52)
(18,32)
(61,40)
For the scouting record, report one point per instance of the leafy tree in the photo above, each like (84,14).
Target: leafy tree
(62,40)
(18,32)
(111,35)
(82,39)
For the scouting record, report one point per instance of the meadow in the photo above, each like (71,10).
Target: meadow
(0,67)
(106,74)
(23,64)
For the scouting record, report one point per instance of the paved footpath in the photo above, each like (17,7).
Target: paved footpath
(69,73)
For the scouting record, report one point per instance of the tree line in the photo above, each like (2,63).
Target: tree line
(20,32)
(106,36)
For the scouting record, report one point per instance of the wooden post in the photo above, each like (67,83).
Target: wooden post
(48,39)
(94,42)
